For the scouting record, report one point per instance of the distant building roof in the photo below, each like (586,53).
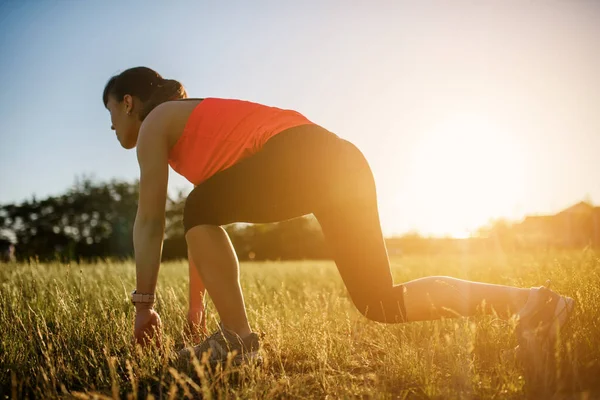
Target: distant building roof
(580,208)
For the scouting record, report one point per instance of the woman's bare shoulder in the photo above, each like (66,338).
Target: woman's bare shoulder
(169,119)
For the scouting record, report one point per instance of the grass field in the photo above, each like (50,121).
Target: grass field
(65,331)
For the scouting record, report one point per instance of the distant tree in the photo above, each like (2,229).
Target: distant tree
(7,250)
(92,220)
(298,238)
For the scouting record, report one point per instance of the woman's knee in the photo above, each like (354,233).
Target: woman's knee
(204,230)
(385,306)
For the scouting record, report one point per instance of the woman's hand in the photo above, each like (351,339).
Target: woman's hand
(147,327)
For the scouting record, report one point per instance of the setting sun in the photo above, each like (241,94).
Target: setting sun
(465,171)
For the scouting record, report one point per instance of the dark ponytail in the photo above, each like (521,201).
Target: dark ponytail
(145,84)
(167,89)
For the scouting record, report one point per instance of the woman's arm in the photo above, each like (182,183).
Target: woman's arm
(149,227)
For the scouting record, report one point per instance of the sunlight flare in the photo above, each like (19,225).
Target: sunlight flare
(465,172)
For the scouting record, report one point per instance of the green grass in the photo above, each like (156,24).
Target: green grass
(65,331)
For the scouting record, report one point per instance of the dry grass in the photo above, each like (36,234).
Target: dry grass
(65,331)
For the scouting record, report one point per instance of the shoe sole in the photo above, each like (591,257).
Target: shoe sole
(249,358)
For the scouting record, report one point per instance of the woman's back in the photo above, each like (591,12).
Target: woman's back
(221,132)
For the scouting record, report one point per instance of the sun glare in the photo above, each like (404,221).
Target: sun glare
(465,172)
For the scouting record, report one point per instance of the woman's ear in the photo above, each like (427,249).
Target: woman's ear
(128,102)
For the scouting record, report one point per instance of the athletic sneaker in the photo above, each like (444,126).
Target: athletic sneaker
(540,321)
(223,342)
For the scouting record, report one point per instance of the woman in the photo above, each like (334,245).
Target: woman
(258,164)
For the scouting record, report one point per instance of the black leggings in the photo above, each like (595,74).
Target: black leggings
(304,170)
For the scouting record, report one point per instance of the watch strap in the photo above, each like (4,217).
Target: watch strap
(142,298)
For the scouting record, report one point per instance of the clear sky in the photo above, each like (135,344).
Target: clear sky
(465,110)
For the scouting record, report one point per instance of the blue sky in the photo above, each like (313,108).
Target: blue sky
(465,110)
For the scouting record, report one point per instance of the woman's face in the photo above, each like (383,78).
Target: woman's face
(123,120)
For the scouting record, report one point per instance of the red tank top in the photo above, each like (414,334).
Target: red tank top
(221,132)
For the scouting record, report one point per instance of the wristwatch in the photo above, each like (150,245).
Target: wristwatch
(142,298)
